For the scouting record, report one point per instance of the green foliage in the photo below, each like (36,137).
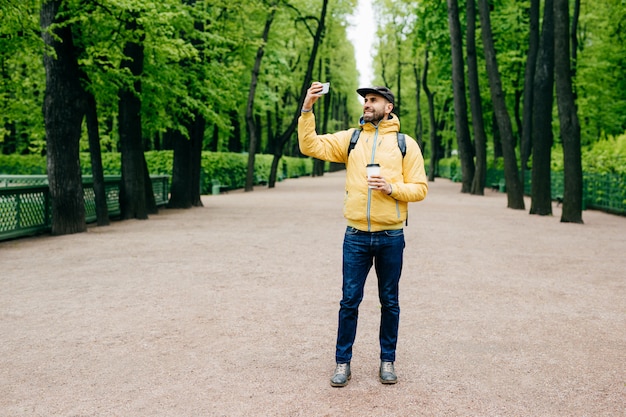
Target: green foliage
(199,56)
(22,165)
(601,69)
(509,21)
(227,169)
(340,68)
(423,26)
(606,156)
(22,79)
(450,168)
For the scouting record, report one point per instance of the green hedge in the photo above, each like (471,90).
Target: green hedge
(22,165)
(450,168)
(227,169)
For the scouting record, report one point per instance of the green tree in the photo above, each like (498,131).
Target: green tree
(22,78)
(250,120)
(284,137)
(134,202)
(480,137)
(543,102)
(568,117)
(431,39)
(63,110)
(600,82)
(529,77)
(513,186)
(461,121)
(191,120)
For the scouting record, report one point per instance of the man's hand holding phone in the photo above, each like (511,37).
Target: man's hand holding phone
(314,92)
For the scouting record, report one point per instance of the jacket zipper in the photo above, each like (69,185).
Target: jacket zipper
(369,190)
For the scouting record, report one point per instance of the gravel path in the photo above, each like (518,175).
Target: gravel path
(231,310)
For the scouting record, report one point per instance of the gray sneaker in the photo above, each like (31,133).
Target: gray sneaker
(341,376)
(387,373)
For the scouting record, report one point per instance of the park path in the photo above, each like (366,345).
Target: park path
(230,310)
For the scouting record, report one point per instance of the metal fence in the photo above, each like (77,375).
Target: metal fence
(606,192)
(25,202)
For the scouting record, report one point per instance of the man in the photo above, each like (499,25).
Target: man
(375,208)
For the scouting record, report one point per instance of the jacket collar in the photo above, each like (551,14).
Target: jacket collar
(392,124)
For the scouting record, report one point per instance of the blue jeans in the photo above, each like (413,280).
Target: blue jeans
(360,250)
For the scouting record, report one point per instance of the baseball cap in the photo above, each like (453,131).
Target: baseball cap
(381,91)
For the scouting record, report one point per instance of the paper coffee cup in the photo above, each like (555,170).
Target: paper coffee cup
(372,169)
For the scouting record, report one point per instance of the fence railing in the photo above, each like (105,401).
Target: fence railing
(606,192)
(25,202)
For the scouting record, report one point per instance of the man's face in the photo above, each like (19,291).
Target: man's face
(376,108)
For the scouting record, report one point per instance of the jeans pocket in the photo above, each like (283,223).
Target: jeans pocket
(394,233)
(351,231)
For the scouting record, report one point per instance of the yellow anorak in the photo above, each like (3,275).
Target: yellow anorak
(364,208)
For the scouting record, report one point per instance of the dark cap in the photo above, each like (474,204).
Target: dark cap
(381,91)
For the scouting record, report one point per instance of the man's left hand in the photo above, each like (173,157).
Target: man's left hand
(379,183)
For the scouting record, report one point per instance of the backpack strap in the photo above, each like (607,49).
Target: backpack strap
(353,140)
(402,146)
(402,143)
(357,132)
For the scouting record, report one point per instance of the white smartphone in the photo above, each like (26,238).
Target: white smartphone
(325,88)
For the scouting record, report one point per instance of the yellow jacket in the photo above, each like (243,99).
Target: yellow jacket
(364,208)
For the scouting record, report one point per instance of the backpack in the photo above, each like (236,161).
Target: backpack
(357,133)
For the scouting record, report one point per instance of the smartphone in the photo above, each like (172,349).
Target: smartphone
(325,88)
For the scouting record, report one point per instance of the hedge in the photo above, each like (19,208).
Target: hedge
(227,169)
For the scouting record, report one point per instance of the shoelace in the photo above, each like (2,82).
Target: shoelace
(387,367)
(342,368)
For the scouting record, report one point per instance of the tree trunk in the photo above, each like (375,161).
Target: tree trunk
(132,194)
(215,138)
(514,191)
(529,78)
(102,210)
(234,140)
(64,108)
(434,143)
(288,133)
(574,42)
(497,141)
(517,103)
(151,206)
(397,108)
(541,196)
(186,176)
(270,132)
(196,135)
(461,122)
(185,189)
(180,191)
(568,117)
(480,137)
(252,149)
(419,124)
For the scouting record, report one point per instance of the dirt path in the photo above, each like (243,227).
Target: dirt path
(231,310)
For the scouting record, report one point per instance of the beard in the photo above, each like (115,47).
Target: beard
(374,117)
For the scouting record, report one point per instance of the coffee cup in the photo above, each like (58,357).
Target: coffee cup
(372,169)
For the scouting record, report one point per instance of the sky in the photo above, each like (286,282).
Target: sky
(361,30)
